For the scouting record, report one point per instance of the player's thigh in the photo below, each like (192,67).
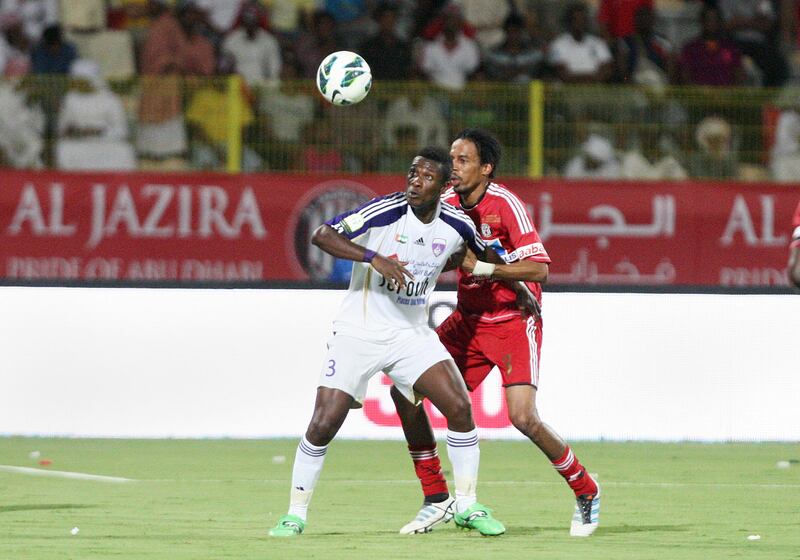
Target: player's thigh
(458,337)
(349,364)
(515,348)
(417,352)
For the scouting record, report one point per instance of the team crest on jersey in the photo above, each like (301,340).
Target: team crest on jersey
(486,231)
(438,246)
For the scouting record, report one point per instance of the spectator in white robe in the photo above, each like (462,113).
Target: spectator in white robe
(92,126)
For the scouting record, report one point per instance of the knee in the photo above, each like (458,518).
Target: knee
(460,410)
(321,430)
(528,422)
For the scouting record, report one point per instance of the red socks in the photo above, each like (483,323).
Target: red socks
(575,474)
(429,471)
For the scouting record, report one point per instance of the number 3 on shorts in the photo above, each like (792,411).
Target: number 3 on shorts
(331,368)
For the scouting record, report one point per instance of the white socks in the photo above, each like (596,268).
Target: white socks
(307,467)
(464,454)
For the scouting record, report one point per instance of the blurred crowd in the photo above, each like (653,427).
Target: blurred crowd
(151,49)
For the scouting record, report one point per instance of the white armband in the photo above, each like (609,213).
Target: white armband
(483,269)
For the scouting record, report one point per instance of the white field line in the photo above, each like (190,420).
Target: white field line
(618,483)
(63,474)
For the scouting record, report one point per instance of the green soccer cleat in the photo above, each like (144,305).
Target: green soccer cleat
(480,518)
(288,526)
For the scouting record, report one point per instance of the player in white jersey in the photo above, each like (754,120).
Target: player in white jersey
(399,244)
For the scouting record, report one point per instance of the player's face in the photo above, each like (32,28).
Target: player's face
(468,173)
(425,183)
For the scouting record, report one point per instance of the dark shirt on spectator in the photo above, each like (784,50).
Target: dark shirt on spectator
(47,60)
(711,62)
(388,58)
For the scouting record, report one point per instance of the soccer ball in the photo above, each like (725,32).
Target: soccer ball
(344,78)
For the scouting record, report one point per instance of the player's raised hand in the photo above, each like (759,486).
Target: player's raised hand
(392,270)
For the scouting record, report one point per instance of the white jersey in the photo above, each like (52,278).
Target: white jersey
(388,226)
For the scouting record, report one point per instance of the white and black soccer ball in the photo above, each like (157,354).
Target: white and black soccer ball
(344,78)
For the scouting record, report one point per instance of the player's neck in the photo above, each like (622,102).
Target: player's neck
(473,198)
(426,214)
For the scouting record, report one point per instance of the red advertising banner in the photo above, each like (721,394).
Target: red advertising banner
(201,227)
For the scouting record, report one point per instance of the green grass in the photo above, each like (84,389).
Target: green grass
(216,499)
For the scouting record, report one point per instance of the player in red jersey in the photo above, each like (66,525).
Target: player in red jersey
(794,250)
(488,329)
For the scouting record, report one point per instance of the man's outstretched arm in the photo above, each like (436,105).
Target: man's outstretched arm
(336,244)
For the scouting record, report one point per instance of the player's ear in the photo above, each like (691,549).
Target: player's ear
(486,169)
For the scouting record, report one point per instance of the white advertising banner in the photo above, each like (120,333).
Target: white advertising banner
(245,363)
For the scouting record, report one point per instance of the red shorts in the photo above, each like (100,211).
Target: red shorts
(477,346)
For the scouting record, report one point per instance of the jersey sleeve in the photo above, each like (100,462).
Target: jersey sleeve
(378,211)
(465,227)
(524,239)
(796,226)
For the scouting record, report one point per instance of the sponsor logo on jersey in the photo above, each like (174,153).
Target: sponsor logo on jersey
(438,246)
(524,252)
(486,230)
(401,238)
(491,219)
(420,241)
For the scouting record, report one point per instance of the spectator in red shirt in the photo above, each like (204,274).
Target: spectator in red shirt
(616,17)
(711,59)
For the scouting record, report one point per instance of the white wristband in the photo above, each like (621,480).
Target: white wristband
(483,269)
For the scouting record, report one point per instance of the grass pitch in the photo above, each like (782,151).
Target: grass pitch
(214,499)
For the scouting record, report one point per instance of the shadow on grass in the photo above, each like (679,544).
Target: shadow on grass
(603,529)
(35,507)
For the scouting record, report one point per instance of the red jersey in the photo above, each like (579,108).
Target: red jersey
(504,225)
(795,226)
(618,15)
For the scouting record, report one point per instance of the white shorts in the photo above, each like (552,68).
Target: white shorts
(403,355)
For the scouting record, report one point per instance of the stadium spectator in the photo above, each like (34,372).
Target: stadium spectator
(415,114)
(173,47)
(716,158)
(616,18)
(316,44)
(288,111)
(53,55)
(21,130)
(518,59)
(36,15)
(793,267)
(209,120)
(288,17)
(596,160)
(320,154)
(430,17)
(255,52)
(577,55)
(388,56)
(752,26)
(785,153)
(450,59)
(353,21)
(711,59)
(92,125)
(645,57)
(652,158)
(487,18)
(219,14)
(17,50)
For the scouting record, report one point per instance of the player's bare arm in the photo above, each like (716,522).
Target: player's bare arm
(794,266)
(336,244)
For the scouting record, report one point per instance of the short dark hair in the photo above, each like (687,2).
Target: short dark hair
(488,146)
(440,156)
